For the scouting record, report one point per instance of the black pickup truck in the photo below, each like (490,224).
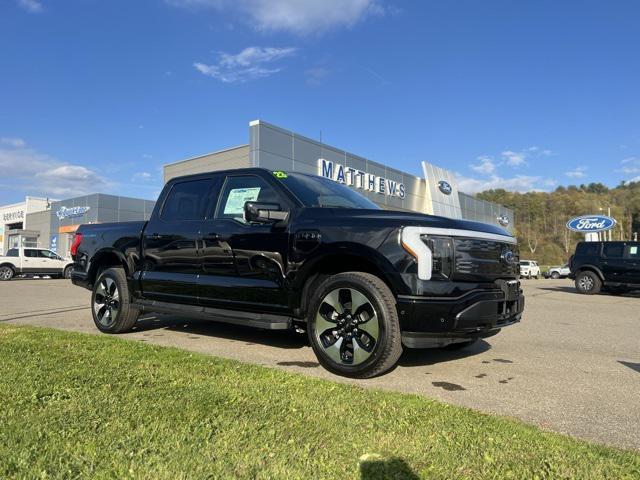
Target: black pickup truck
(283,250)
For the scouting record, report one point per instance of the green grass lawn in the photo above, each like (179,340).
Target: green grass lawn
(82,406)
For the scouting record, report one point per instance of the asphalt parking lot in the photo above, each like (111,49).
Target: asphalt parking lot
(572,365)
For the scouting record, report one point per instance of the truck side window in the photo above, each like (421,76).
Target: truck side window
(12,252)
(28,252)
(632,251)
(187,201)
(238,190)
(613,250)
(47,254)
(587,248)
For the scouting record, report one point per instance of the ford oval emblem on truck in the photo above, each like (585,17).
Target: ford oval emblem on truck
(591,223)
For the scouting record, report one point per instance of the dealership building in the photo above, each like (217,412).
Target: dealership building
(51,224)
(45,223)
(274,148)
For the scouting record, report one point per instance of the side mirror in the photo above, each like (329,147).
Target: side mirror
(256,212)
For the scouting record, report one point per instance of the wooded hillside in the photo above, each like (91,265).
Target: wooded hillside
(540,217)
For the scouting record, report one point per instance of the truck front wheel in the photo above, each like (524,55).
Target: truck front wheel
(353,325)
(6,273)
(111,302)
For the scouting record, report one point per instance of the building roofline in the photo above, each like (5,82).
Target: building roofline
(207,154)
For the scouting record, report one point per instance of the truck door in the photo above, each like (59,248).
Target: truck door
(171,261)
(31,263)
(244,264)
(632,257)
(614,266)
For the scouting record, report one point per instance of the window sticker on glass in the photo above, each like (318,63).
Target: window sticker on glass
(633,250)
(237,197)
(280,174)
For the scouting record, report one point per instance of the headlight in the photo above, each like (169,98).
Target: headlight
(434,254)
(442,254)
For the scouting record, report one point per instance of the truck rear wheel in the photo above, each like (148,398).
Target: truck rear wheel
(353,325)
(6,273)
(111,302)
(588,283)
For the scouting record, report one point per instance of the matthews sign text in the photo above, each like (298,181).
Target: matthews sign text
(359,179)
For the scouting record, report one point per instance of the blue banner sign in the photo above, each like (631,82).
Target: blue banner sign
(591,223)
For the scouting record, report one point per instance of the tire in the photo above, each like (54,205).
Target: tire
(6,273)
(537,277)
(111,302)
(460,345)
(588,283)
(555,275)
(66,273)
(362,349)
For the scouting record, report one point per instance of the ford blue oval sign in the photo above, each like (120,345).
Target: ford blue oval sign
(591,223)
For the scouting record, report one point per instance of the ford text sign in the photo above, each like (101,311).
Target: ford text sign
(591,223)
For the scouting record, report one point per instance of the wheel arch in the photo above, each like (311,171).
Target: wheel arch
(590,268)
(334,262)
(105,258)
(10,265)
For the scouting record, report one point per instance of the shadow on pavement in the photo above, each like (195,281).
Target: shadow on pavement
(272,338)
(373,467)
(572,289)
(431,356)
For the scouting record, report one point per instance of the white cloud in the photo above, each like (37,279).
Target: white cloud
(40,174)
(578,172)
(631,166)
(300,17)
(141,177)
(519,183)
(515,159)
(13,142)
(316,76)
(31,6)
(486,165)
(250,64)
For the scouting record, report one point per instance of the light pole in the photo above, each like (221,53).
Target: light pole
(608,215)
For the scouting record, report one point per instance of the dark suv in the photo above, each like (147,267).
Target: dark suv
(612,267)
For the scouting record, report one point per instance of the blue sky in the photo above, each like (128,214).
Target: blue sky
(97,96)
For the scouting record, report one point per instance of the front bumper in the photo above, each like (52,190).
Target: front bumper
(437,321)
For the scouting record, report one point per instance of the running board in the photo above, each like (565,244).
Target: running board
(251,319)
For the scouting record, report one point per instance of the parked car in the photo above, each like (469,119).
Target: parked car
(613,267)
(558,272)
(283,250)
(34,261)
(529,269)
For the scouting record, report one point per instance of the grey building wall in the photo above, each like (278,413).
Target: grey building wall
(442,204)
(236,157)
(486,212)
(103,208)
(40,222)
(275,148)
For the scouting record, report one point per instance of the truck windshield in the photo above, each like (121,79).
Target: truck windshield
(314,191)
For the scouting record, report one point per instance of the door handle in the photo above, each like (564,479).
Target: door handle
(215,236)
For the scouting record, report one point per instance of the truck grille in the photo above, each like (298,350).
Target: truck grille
(483,259)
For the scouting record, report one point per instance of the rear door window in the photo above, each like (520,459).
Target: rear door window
(613,250)
(587,248)
(187,201)
(632,251)
(30,253)
(12,252)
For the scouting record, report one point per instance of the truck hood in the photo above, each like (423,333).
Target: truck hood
(389,218)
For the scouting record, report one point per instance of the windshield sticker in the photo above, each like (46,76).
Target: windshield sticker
(279,174)
(237,198)
(633,250)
